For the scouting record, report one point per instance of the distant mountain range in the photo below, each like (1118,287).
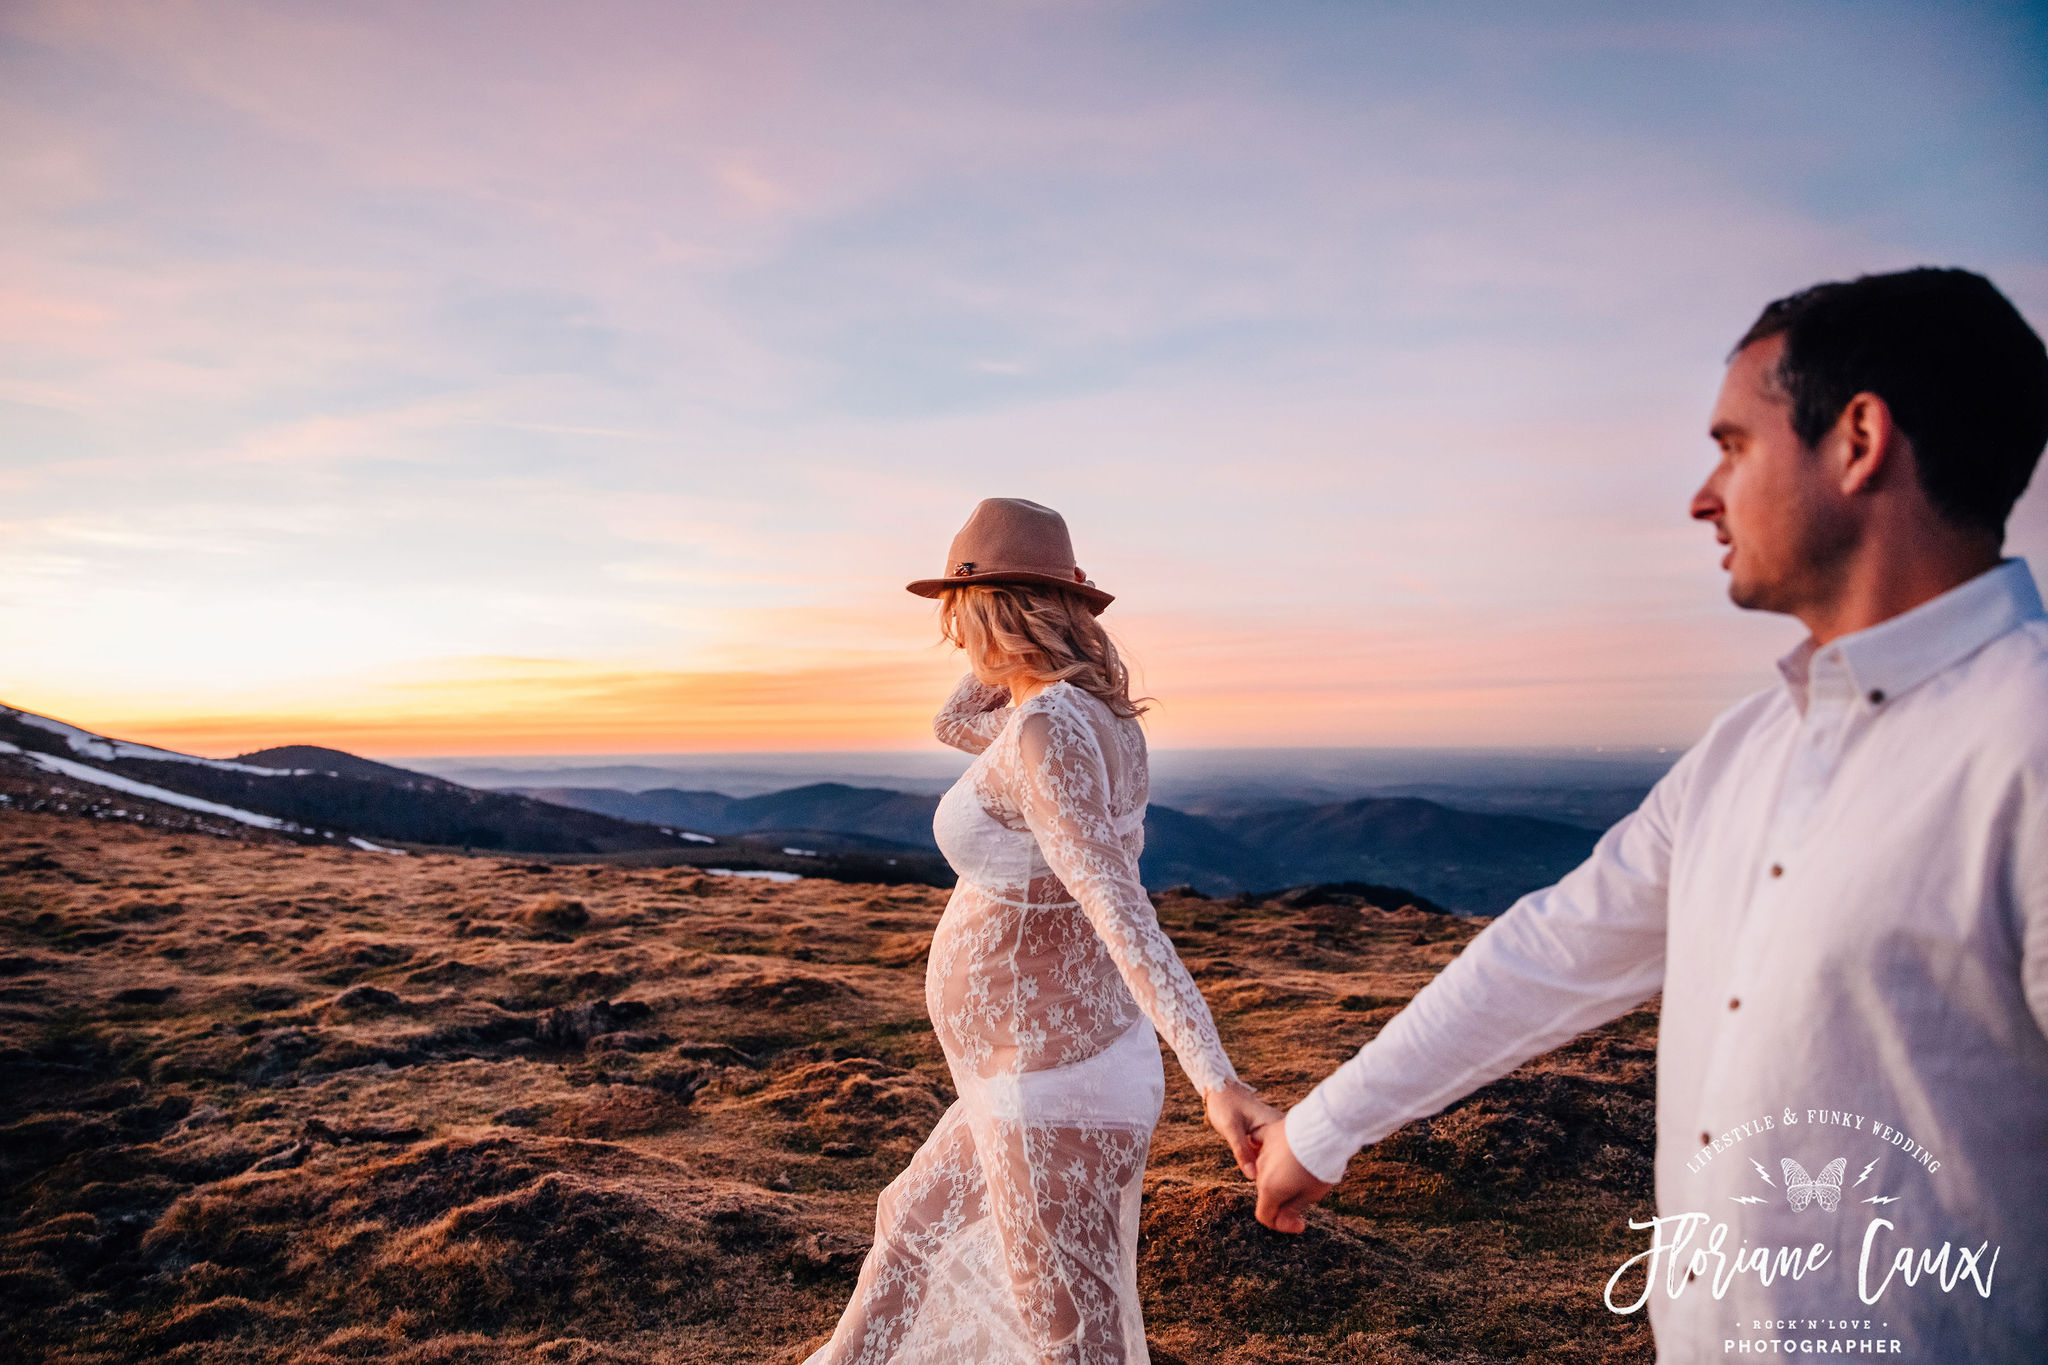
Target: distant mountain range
(307,791)
(873,812)
(315,795)
(1588,786)
(1474,862)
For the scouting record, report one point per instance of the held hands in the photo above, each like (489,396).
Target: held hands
(1286,1188)
(1238,1114)
(1257,1134)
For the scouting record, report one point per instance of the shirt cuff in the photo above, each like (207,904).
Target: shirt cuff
(1322,1148)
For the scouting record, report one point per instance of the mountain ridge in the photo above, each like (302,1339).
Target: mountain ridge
(1475,862)
(1478,861)
(314,795)
(337,763)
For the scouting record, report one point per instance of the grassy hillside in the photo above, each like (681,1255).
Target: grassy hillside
(273,1103)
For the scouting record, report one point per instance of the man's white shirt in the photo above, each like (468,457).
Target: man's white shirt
(1842,892)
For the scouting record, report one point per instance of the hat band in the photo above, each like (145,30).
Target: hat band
(978,568)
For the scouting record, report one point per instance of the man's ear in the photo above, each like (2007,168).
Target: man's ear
(1868,442)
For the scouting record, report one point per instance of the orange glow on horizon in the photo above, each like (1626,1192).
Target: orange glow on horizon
(1278,686)
(546,708)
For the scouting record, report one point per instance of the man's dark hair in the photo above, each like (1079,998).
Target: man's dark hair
(1965,377)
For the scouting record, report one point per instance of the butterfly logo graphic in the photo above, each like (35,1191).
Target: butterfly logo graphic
(1824,1189)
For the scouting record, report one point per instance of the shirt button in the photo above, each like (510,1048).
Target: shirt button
(1877,696)
(1734,1003)
(1706,1139)
(1777,869)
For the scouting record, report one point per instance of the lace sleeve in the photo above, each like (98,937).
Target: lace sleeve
(973,716)
(1063,795)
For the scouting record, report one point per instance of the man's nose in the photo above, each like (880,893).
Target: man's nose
(1706,504)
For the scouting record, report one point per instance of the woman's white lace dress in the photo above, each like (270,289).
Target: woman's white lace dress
(1012,1235)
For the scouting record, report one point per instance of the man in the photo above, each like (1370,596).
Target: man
(1841,891)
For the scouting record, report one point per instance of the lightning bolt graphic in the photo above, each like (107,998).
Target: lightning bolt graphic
(1866,1171)
(1762,1172)
(1882,1199)
(1748,1199)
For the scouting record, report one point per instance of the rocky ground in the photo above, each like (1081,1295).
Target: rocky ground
(265,1102)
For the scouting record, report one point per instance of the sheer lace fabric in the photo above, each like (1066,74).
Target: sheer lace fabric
(1012,1234)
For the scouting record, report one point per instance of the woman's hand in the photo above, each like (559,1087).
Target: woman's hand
(1236,1113)
(974,694)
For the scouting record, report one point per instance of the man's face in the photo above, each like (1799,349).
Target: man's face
(1771,499)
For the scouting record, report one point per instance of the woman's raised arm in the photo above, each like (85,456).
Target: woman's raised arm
(973,716)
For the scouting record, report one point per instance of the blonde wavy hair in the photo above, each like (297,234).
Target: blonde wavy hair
(1044,635)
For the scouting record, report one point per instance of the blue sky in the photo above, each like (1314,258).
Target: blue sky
(492,377)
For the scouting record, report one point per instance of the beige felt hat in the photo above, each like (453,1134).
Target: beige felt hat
(1009,540)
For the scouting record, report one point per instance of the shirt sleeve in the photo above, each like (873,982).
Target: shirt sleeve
(2030,894)
(1064,798)
(1558,962)
(973,716)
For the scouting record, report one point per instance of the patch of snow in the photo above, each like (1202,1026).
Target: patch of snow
(758,876)
(801,852)
(366,846)
(82,772)
(696,838)
(81,741)
(6,748)
(107,750)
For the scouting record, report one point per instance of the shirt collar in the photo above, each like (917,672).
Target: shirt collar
(1888,659)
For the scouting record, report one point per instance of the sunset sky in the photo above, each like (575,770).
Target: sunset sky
(500,378)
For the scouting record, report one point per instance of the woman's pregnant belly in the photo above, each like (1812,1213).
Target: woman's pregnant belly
(1014,988)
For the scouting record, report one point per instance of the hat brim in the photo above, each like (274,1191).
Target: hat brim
(1095,597)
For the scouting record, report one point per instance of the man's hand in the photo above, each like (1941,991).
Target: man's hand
(1286,1188)
(1237,1114)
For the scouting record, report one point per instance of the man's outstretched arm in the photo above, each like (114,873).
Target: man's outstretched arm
(1560,961)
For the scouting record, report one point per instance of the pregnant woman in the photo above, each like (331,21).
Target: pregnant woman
(1012,1235)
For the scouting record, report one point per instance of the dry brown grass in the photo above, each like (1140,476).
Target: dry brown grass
(269,1103)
